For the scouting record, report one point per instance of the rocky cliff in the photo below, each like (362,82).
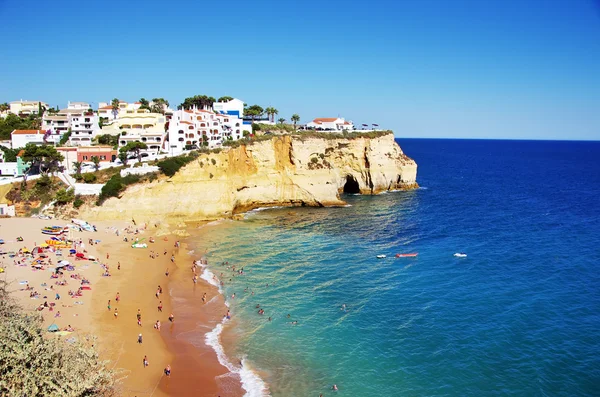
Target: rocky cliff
(284,170)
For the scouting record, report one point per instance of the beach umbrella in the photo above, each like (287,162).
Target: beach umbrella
(53,328)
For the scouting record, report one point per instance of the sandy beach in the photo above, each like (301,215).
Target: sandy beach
(195,370)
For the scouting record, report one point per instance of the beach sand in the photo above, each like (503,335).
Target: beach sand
(181,344)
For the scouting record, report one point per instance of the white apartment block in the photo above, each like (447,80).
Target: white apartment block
(83,124)
(26,107)
(195,128)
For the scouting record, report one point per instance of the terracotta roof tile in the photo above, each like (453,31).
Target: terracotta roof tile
(325,119)
(26,132)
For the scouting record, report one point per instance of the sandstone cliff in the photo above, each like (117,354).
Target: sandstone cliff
(285,170)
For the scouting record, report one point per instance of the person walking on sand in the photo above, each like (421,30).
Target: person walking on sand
(140,338)
(168,370)
(116,313)
(118,297)
(108,305)
(160,306)
(167,272)
(119,266)
(146,363)
(171,318)
(204,297)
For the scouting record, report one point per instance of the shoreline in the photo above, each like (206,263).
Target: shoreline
(195,371)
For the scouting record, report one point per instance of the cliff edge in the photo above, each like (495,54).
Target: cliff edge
(282,171)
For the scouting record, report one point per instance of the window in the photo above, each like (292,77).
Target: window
(237,124)
(215,123)
(85,157)
(180,139)
(181,131)
(191,127)
(102,157)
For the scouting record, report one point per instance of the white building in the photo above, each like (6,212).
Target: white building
(106,110)
(76,117)
(7,210)
(330,124)
(194,128)
(27,107)
(20,138)
(234,107)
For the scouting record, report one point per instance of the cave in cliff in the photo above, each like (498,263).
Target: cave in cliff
(351,185)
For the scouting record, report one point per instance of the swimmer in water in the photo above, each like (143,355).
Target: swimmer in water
(334,388)
(343,307)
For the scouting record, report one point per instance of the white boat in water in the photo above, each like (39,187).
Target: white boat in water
(381,256)
(460,255)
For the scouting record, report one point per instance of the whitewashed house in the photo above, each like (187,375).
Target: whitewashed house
(27,107)
(330,124)
(20,138)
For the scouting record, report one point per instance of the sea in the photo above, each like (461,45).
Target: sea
(518,316)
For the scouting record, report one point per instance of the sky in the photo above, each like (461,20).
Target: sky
(513,69)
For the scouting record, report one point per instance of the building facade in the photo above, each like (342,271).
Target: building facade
(20,138)
(104,153)
(105,110)
(195,128)
(330,124)
(27,107)
(77,118)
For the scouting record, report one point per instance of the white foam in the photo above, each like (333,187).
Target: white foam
(251,382)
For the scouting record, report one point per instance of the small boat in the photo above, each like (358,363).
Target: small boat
(380,256)
(53,230)
(460,255)
(409,255)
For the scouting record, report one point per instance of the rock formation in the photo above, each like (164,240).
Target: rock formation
(282,171)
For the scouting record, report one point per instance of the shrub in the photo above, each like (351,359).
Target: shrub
(78,177)
(43,181)
(78,202)
(112,188)
(213,161)
(64,196)
(89,178)
(314,160)
(170,166)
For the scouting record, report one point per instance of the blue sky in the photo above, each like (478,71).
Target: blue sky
(513,69)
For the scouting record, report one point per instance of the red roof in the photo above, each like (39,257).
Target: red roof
(325,120)
(106,107)
(26,132)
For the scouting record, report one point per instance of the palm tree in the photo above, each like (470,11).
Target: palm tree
(77,165)
(4,107)
(271,112)
(295,118)
(115,107)
(281,120)
(96,161)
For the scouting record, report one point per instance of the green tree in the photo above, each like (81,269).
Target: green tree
(254,111)
(123,157)
(115,106)
(295,118)
(4,107)
(281,120)
(199,101)
(135,147)
(271,112)
(65,138)
(77,165)
(64,196)
(13,122)
(225,99)
(96,161)
(10,155)
(159,105)
(145,104)
(44,157)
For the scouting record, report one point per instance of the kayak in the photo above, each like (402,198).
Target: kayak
(460,255)
(380,256)
(410,255)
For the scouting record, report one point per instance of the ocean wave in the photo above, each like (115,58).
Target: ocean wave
(251,382)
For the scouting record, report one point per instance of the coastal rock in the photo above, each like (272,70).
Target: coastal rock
(282,171)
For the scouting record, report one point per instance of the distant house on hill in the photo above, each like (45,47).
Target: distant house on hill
(26,107)
(20,138)
(330,124)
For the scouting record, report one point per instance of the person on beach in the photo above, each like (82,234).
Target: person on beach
(195,278)
(160,306)
(140,338)
(204,297)
(160,289)
(119,266)
(57,297)
(157,325)
(108,305)
(171,318)
(168,370)
(146,363)
(167,272)
(118,297)
(116,313)
(157,293)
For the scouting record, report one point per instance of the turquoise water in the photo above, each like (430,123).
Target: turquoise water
(519,316)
